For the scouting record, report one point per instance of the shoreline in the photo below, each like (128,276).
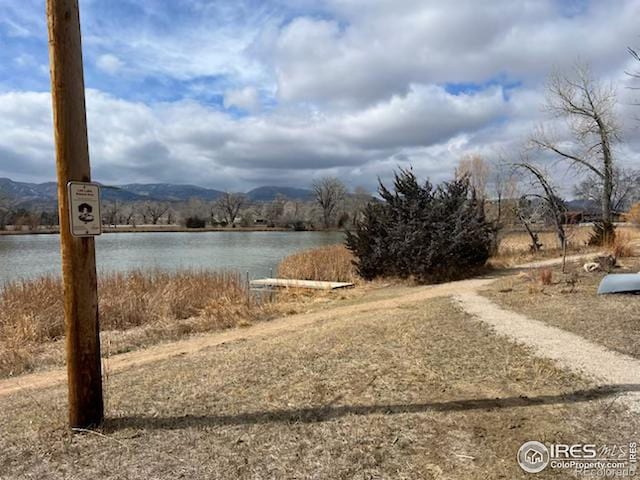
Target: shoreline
(166,229)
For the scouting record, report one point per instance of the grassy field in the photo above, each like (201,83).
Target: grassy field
(569,301)
(514,246)
(418,392)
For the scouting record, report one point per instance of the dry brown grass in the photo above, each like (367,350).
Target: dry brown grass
(546,276)
(633,216)
(147,306)
(418,392)
(623,244)
(331,264)
(514,247)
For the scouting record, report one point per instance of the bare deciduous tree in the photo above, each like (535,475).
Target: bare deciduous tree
(212,208)
(194,212)
(589,108)
(154,211)
(626,188)
(635,74)
(546,193)
(171,217)
(229,206)
(527,213)
(5,210)
(504,186)
(477,169)
(274,210)
(31,220)
(110,212)
(329,192)
(295,214)
(360,199)
(129,214)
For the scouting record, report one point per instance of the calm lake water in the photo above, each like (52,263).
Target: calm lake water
(26,256)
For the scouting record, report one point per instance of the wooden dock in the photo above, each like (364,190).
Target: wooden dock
(290,283)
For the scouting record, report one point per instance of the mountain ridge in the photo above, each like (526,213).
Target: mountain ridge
(29,194)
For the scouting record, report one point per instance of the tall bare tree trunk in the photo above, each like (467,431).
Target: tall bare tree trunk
(607,183)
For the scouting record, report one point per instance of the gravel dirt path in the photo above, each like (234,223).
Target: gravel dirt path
(567,349)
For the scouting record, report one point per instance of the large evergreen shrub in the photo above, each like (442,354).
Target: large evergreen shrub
(421,231)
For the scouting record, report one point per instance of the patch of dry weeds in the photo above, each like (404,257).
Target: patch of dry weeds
(514,247)
(332,264)
(137,309)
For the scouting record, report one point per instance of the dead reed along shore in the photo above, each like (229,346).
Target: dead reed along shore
(138,308)
(331,264)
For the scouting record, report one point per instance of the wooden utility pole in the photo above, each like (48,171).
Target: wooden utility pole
(78,254)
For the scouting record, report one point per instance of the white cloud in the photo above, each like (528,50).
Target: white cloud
(185,41)
(26,135)
(246,98)
(109,63)
(25,60)
(349,87)
(185,141)
(14,29)
(424,116)
(374,50)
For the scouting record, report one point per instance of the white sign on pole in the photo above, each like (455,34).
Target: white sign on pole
(84,205)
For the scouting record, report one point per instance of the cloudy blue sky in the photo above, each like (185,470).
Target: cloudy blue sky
(233,94)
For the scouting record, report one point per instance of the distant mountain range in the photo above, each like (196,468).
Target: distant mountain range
(267,194)
(45,194)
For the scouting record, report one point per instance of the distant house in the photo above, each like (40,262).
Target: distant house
(586,211)
(576,217)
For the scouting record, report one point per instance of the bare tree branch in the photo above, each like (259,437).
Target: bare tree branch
(549,196)
(589,108)
(154,211)
(329,192)
(230,205)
